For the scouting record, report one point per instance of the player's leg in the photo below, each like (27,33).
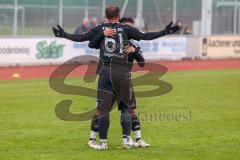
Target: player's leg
(135,121)
(105,101)
(126,127)
(136,126)
(125,123)
(93,132)
(103,130)
(94,122)
(121,84)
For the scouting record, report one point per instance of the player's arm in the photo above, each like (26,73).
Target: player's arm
(59,32)
(135,34)
(138,55)
(95,41)
(135,51)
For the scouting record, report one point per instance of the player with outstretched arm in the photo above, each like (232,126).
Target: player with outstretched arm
(113,81)
(134,53)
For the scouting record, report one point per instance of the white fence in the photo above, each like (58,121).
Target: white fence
(55,51)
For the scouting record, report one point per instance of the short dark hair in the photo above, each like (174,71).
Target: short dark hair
(112,12)
(126,19)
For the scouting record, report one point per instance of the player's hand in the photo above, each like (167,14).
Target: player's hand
(58,32)
(169,29)
(109,32)
(129,49)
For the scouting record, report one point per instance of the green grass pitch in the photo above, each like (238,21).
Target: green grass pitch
(29,128)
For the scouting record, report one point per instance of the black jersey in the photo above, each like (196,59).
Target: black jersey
(131,32)
(137,55)
(112,48)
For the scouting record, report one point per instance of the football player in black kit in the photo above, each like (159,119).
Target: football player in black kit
(134,53)
(114,79)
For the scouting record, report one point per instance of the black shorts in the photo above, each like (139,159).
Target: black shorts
(113,85)
(133,101)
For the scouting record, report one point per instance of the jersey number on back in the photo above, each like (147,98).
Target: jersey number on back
(112,46)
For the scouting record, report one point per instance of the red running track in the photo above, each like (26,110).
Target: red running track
(43,72)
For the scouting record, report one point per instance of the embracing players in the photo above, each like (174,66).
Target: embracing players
(114,78)
(134,53)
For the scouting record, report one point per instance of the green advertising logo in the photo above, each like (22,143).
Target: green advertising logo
(51,51)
